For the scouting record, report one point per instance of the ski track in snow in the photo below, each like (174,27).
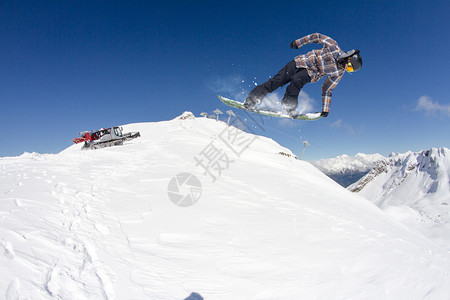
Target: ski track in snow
(99,225)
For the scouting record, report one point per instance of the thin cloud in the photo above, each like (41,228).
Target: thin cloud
(230,86)
(273,102)
(339,124)
(306,102)
(336,124)
(430,107)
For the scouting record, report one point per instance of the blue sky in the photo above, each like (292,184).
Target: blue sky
(68,66)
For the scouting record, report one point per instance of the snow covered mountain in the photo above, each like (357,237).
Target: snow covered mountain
(196,206)
(346,169)
(415,188)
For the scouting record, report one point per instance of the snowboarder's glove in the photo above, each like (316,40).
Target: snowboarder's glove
(324,114)
(294,45)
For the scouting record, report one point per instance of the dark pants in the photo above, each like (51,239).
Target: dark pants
(289,73)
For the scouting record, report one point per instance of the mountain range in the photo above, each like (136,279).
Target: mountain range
(346,169)
(414,187)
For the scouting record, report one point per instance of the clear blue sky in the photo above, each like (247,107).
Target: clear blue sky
(68,66)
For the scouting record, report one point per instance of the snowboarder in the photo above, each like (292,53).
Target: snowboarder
(328,61)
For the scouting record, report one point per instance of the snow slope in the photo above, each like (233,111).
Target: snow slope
(100,224)
(415,188)
(347,169)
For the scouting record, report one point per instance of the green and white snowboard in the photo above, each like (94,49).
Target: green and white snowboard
(240,105)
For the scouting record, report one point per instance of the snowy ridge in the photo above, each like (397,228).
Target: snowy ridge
(414,187)
(99,224)
(347,164)
(346,169)
(433,162)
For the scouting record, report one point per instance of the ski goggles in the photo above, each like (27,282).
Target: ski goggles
(349,67)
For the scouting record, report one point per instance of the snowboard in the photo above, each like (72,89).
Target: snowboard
(240,105)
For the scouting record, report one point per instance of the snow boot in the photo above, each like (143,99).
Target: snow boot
(289,105)
(251,102)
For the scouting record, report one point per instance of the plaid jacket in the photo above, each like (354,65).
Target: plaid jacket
(322,62)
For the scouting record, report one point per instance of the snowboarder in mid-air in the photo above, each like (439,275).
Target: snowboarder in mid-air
(328,61)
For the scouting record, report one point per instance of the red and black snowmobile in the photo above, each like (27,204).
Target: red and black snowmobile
(104,137)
